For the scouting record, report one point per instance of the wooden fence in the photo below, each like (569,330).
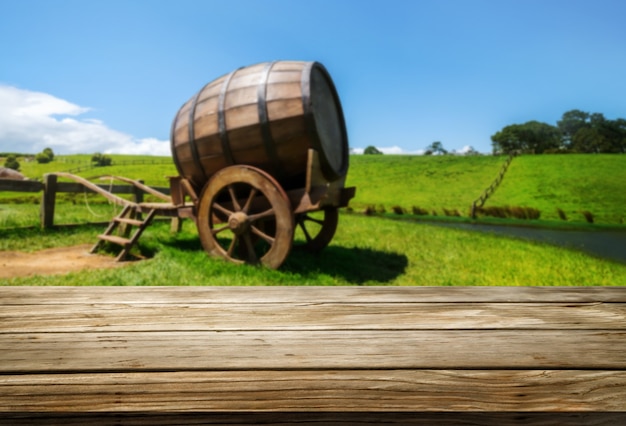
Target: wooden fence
(50,187)
(480,201)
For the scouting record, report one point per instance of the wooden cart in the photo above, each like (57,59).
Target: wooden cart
(261,152)
(245,216)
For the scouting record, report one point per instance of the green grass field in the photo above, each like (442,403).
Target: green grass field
(366,250)
(573,183)
(429,182)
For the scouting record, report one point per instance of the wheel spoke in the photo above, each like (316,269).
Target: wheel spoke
(233,243)
(312,219)
(222,209)
(269,239)
(306,232)
(267,213)
(253,193)
(216,231)
(252,257)
(233,198)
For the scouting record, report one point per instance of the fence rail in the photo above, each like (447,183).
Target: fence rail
(50,187)
(480,201)
(84,167)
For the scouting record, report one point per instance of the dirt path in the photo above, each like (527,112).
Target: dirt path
(52,261)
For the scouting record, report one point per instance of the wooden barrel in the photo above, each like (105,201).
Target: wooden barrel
(266,115)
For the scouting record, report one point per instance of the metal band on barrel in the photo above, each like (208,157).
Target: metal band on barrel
(192,137)
(268,140)
(173,146)
(221,119)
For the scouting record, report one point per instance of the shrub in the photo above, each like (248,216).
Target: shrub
(49,153)
(531,213)
(372,150)
(42,158)
(370,210)
(510,212)
(101,160)
(454,212)
(588,216)
(12,163)
(419,211)
(398,210)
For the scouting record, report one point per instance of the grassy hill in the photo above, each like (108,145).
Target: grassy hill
(153,170)
(428,182)
(572,183)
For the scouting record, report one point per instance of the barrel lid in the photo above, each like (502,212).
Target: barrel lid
(326,116)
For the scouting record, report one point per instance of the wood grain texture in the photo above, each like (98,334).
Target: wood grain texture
(313,316)
(348,355)
(379,390)
(281,350)
(308,294)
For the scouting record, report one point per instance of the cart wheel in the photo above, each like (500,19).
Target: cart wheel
(317,229)
(244,216)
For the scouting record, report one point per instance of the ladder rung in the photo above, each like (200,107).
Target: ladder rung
(115,239)
(128,221)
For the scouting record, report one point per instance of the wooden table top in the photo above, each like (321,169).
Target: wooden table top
(418,355)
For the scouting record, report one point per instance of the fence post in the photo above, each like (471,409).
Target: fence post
(48,200)
(138,198)
(138,193)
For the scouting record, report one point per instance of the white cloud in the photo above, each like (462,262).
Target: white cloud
(31,121)
(389,150)
(465,149)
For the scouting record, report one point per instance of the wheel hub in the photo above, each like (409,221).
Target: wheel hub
(239,223)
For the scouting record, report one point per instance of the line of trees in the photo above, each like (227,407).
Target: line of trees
(577,131)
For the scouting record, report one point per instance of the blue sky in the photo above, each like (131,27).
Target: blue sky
(109,75)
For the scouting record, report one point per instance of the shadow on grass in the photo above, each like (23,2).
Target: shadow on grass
(351,264)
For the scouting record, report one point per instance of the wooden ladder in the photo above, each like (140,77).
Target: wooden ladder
(127,219)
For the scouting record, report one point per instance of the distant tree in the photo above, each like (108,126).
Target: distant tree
(570,123)
(592,133)
(533,136)
(587,140)
(615,130)
(372,150)
(435,148)
(49,153)
(42,158)
(46,156)
(101,160)
(576,131)
(12,163)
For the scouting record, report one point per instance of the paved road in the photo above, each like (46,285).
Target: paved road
(606,244)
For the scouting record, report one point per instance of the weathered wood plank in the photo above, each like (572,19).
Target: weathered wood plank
(378,390)
(347,418)
(136,317)
(151,355)
(285,350)
(71,295)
